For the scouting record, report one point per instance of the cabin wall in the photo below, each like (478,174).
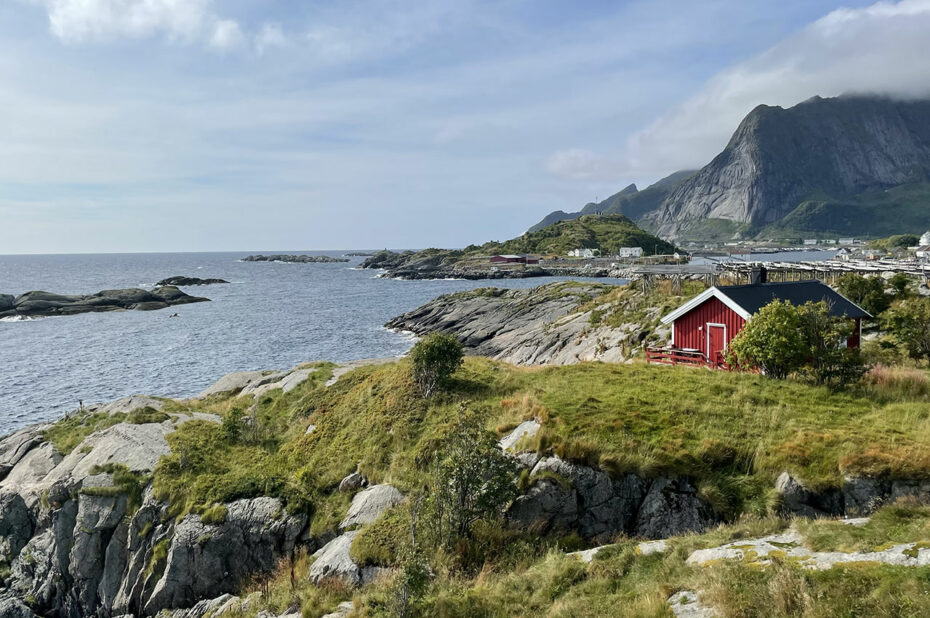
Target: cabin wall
(690,328)
(856,339)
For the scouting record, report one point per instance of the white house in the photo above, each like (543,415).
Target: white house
(630,252)
(923,251)
(810,241)
(582,253)
(925,239)
(847,241)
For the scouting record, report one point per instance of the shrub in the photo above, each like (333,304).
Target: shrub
(435,358)
(472,481)
(830,361)
(867,292)
(909,323)
(782,338)
(772,340)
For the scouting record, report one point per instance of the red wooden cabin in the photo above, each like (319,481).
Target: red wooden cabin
(703,327)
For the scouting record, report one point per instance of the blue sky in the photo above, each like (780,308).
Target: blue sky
(193,125)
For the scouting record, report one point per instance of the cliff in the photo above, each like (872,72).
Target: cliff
(822,150)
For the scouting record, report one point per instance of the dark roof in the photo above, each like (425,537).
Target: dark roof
(755,296)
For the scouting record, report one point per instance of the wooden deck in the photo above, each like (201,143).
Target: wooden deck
(676,356)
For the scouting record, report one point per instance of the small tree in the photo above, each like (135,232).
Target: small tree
(772,340)
(902,285)
(435,358)
(830,360)
(867,292)
(909,321)
(473,480)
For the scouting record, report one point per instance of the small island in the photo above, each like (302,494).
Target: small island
(294,259)
(43,304)
(182,280)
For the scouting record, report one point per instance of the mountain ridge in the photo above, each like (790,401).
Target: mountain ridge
(854,164)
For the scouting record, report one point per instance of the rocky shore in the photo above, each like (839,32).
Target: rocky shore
(295,259)
(424,265)
(551,324)
(43,304)
(182,280)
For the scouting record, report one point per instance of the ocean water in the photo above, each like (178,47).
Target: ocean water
(270,316)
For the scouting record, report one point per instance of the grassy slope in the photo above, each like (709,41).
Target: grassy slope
(903,209)
(605,232)
(733,432)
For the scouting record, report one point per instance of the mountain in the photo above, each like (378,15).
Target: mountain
(852,164)
(630,202)
(849,165)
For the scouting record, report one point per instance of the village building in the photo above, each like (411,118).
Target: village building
(514,259)
(583,253)
(810,241)
(630,252)
(923,252)
(703,327)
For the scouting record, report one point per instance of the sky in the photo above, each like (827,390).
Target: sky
(209,125)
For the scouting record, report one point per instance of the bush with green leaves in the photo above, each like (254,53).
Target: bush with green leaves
(830,361)
(782,338)
(909,322)
(435,359)
(772,341)
(867,292)
(472,481)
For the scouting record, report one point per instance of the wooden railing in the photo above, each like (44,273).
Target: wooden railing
(677,356)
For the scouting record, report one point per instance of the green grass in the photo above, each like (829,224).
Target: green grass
(125,482)
(903,522)
(69,432)
(733,433)
(145,415)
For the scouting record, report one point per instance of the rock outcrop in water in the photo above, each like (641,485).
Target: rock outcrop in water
(296,259)
(551,324)
(43,304)
(182,280)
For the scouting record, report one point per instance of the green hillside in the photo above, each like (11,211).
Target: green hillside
(605,232)
(903,209)
(732,433)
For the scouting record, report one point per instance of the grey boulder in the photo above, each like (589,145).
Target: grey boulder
(368,504)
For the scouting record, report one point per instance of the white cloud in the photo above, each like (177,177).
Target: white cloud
(226,35)
(579,164)
(76,21)
(268,37)
(877,49)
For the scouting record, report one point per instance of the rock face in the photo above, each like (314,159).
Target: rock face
(857,497)
(368,504)
(75,545)
(41,304)
(778,158)
(182,280)
(572,497)
(529,327)
(297,259)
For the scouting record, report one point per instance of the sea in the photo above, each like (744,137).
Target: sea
(270,316)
